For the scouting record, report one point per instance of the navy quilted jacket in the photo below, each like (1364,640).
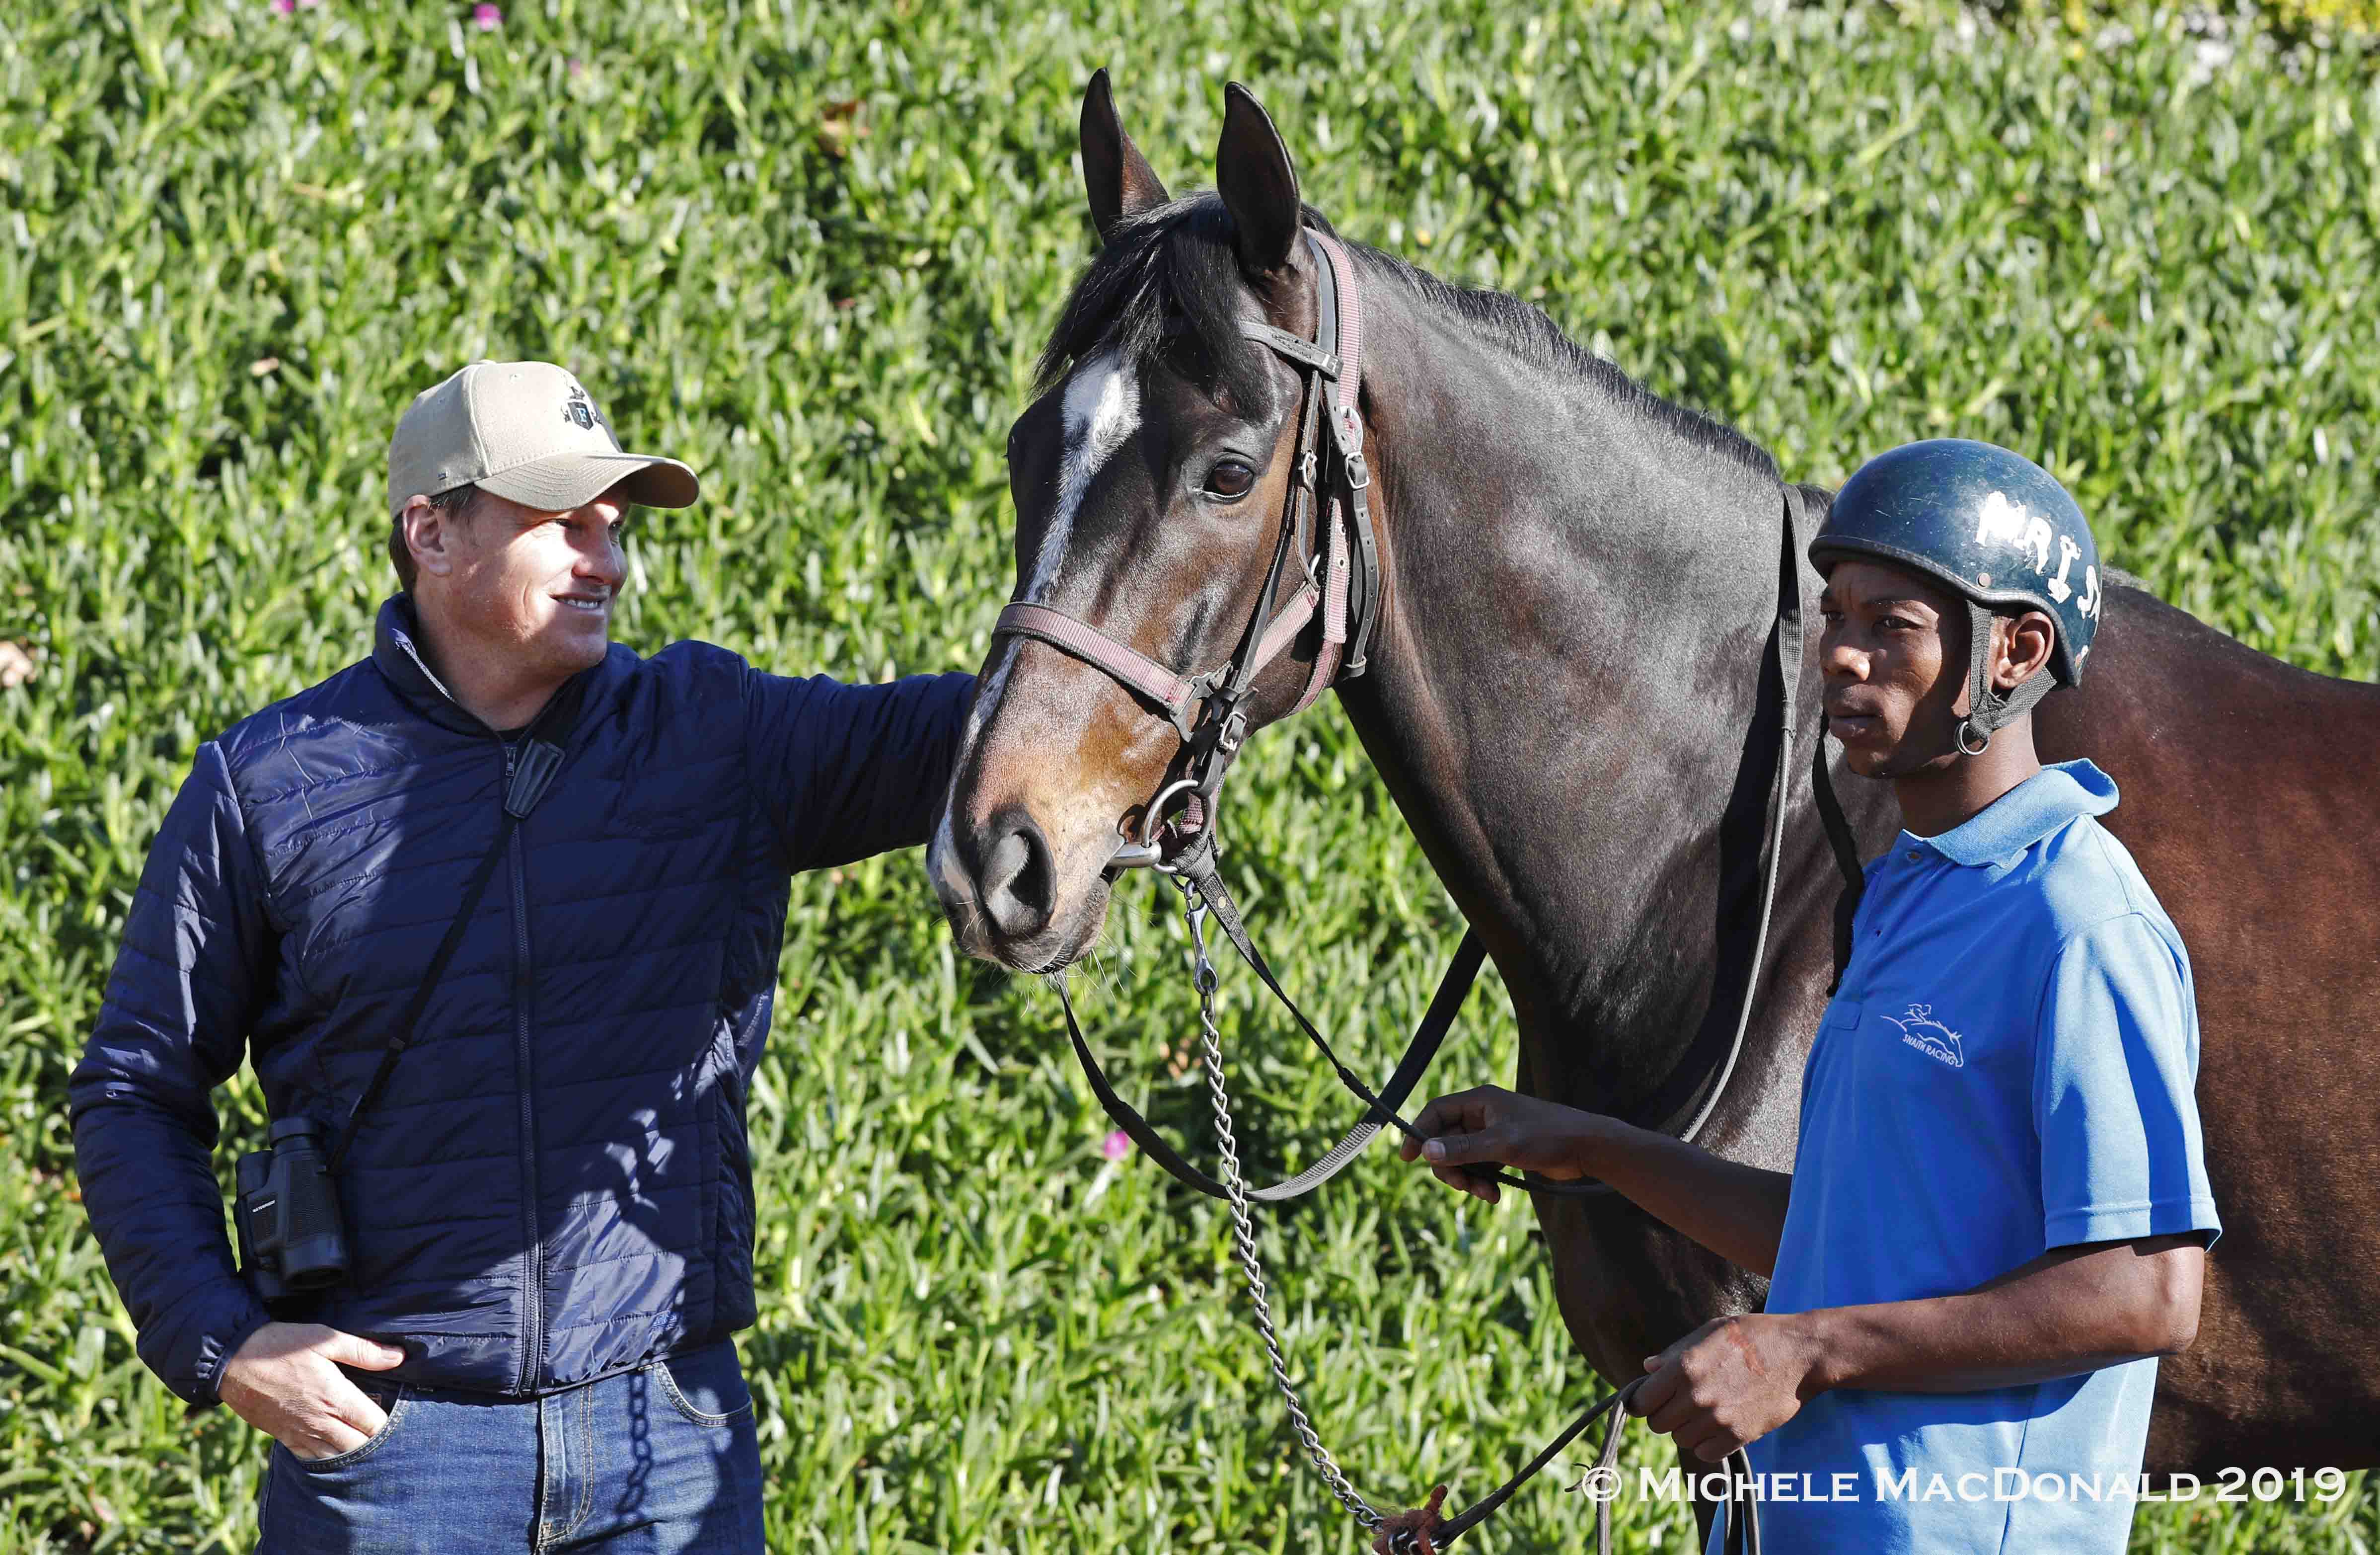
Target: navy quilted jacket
(555,1187)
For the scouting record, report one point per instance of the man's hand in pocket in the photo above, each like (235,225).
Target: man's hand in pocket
(287,1382)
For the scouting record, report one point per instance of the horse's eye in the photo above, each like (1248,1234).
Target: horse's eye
(1230,478)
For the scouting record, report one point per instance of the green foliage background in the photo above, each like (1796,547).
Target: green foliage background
(812,248)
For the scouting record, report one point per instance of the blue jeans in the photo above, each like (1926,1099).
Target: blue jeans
(659,1461)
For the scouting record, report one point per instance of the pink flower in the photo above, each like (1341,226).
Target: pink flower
(283,7)
(1116,1146)
(489,17)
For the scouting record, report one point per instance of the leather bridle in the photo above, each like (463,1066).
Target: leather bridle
(1340,581)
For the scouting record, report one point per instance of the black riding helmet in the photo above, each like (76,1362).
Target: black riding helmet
(1993,527)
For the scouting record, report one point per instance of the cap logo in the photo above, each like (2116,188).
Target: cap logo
(579,410)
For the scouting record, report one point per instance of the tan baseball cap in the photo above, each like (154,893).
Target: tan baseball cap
(528,430)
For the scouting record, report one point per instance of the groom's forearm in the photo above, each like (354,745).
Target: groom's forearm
(2071,1310)
(1737,1211)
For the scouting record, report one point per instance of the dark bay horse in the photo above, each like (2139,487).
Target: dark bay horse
(1580,581)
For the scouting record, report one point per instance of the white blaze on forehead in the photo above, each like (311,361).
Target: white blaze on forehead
(1101,406)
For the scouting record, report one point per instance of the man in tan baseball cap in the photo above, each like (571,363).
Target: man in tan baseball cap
(508,495)
(563,866)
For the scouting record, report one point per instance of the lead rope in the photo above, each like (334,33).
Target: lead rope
(1243,1235)
(1425,1531)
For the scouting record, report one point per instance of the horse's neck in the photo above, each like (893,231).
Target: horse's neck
(1565,683)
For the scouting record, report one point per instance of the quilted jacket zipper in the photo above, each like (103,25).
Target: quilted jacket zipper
(533,1291)
(533,1283)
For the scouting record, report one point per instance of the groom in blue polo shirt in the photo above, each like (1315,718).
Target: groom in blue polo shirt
(1998,1215)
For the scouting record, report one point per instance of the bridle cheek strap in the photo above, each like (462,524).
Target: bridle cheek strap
(1343,316)
(1338,328)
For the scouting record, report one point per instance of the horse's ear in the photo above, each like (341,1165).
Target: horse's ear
(1257,182)
(1116,174)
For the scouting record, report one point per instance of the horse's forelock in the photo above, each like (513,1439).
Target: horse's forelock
(1168,269)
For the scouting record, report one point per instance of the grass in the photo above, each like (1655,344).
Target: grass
(812,248)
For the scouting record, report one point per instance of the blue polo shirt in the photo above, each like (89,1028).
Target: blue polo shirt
(2007,1068)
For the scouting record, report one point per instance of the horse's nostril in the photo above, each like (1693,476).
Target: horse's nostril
(1019,888)
(1012,857)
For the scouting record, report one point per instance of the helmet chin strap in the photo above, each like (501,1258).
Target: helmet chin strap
(1992,709)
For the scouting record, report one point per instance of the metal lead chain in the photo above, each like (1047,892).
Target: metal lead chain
(1243,1236)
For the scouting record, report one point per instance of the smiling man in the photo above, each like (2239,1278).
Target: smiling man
(1998,1215)
(495,913)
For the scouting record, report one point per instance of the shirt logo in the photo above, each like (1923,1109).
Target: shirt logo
(1930,1037)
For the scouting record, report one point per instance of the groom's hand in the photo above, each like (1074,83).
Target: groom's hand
(1490,1125)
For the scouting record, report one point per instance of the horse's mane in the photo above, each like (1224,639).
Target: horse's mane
(1172,269)
(1525,329)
